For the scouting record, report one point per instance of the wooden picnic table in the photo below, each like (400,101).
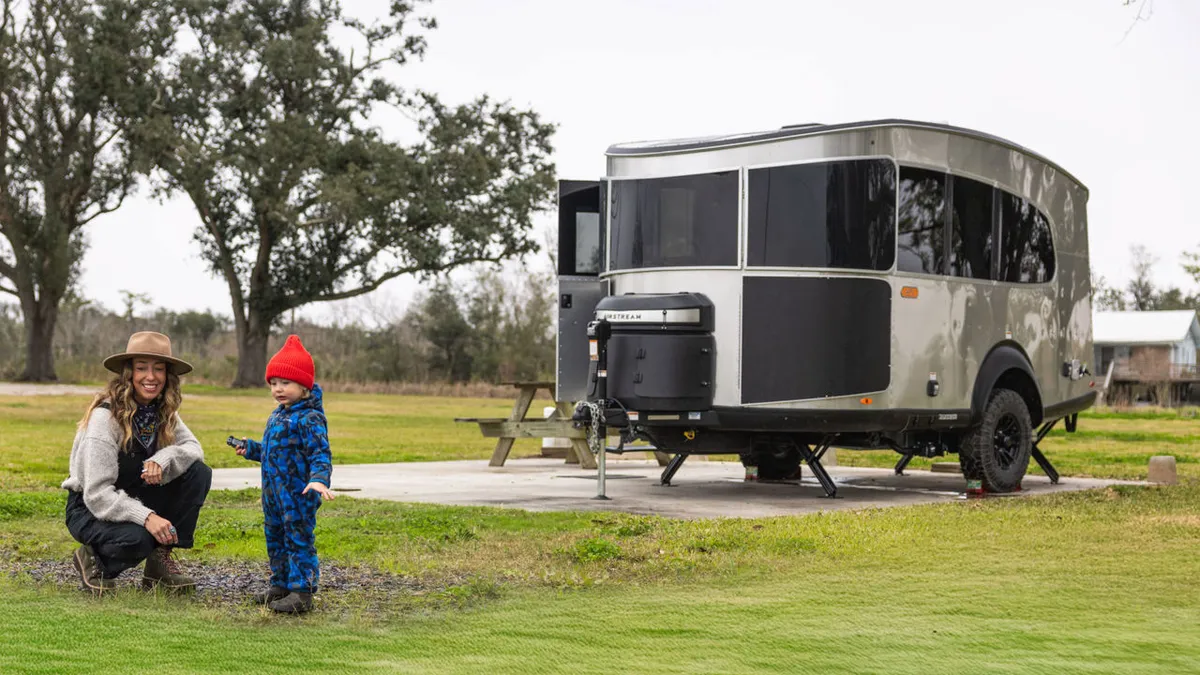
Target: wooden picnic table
(558,425)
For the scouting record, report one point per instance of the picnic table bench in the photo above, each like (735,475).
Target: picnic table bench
(558,425)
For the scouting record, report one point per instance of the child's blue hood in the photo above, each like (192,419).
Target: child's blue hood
(315,401)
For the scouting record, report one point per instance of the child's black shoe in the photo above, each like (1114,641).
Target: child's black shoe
(294,603)
(270,595)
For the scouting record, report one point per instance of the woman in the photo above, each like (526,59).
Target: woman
(138,478)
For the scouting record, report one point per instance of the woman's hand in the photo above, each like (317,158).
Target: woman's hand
(151,473)
(162,530)
(320,489)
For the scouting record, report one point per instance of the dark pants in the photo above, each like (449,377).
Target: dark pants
(119,546)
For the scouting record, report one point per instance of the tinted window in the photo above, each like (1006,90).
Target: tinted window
(673,222)
(587,243)
(828,214)
(971,230)
(921,244)
(580,244)
(1026,249)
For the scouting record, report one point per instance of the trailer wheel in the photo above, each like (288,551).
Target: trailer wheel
(998,447)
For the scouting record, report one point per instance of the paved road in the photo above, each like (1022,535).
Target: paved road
(701,489)
(25,389)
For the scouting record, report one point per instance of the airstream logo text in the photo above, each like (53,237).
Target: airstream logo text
(691,315)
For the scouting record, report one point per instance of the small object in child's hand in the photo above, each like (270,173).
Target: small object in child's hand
(235,443)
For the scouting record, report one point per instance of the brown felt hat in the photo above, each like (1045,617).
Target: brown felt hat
(149,345)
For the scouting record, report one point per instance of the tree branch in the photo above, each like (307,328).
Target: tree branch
(388,276)
(1144,6)
(11,291)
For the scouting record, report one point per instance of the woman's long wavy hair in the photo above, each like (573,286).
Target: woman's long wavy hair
(119,396)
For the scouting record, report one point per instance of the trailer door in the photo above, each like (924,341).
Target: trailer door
(581,244)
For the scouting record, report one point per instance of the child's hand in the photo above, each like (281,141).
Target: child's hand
(320,489)
(238,446)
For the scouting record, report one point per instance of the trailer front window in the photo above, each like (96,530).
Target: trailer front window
(824,214)
(681,221)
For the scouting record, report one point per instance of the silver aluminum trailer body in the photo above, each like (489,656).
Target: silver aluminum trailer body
(975,279)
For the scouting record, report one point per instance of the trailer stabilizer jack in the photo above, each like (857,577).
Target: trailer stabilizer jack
(903,463)
(673,466)
(812,456)
(1040,458)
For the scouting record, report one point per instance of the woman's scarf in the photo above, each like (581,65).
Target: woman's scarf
(145,426)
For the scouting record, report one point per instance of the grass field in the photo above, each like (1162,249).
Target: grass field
(36,434)
(1086,582)
(1104,445)
(1101,581)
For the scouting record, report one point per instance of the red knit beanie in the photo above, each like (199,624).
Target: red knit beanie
(292,362)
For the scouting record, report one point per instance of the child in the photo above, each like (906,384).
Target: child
(295,477)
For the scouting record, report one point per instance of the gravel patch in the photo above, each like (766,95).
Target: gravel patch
(229,584)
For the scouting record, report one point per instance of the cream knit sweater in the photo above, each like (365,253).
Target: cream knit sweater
(94,467)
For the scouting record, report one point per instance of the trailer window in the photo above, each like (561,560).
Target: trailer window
(682,221)
(1026,247)
(971,230)
(922,221)
(826,214)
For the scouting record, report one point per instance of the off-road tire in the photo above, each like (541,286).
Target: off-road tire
(997,448)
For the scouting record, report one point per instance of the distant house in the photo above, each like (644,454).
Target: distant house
(1153,355)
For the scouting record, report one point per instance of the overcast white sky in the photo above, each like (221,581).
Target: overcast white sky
(1052,75)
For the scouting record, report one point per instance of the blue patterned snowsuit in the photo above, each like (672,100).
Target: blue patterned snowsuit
(294,452)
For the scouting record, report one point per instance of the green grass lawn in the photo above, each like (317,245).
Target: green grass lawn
(36,432)
(1102,581)
(1105,445)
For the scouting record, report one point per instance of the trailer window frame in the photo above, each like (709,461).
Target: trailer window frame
(748,209)
(611,265)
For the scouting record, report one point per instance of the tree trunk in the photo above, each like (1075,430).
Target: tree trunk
(252,338)
(40,318)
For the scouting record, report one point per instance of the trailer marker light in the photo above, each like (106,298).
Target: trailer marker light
(865,401)
(909,292)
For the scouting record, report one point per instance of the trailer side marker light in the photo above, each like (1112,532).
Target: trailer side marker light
(865,401)
(909,292)
(1091,384)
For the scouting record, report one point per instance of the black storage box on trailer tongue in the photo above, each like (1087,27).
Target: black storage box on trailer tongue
(661,355)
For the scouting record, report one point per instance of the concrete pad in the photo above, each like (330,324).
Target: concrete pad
(701,489)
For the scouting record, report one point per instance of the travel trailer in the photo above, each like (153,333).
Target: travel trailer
(883,284)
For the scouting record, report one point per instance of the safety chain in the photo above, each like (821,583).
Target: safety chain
(595,442)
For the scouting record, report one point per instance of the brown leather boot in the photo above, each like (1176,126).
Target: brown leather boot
(85,562)
(163,571)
